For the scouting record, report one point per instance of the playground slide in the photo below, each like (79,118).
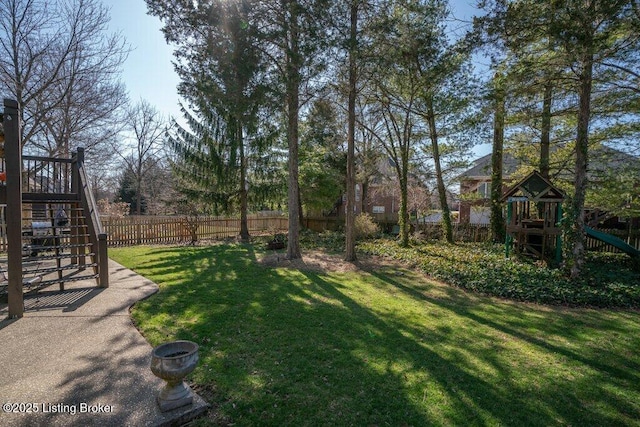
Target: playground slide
(612,240)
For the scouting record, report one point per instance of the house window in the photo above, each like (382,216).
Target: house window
(378,210)
(484,190)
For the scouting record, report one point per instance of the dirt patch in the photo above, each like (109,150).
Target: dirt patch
(322,262)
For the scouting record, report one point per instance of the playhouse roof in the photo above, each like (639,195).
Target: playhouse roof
(536,188)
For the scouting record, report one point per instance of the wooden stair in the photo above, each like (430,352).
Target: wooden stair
(40,250)
(57,253)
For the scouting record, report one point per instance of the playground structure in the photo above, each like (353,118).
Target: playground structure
(51,223)
(534,210)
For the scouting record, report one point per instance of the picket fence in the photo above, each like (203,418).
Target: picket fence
(141,230)
(137,230)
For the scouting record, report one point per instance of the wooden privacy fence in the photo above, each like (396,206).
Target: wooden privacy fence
(137,230)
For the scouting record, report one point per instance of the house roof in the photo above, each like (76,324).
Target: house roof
(481,167)
(601,160)
(606,159)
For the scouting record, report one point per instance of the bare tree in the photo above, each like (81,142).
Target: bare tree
(146,130)
(368,157)
(393,123)
(59,63)
(103,180)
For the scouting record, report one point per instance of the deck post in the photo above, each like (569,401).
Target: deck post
(13,162)
(82,251)
(559,236)
(507,236)
(74,219)
(103,261)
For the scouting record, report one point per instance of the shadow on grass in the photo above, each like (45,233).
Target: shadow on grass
(292,348)
(602,372)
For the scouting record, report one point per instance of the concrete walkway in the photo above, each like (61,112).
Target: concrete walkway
(75,358)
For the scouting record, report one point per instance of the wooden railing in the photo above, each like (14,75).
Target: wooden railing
(136,230)
(97,237)
(46,175)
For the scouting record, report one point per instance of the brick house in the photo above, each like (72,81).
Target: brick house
(475,188)
(382,198)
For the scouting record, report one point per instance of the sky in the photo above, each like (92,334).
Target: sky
(148,72)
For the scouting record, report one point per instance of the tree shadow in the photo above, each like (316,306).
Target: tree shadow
(283,346)
(56,300)
(85,354)
(600,373)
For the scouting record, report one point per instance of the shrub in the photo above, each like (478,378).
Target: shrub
(331,241)
(609,280)
(365,226)
(114,209)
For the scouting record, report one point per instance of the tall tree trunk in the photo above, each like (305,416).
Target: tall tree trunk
(139,192)
(403,214)
(244,226)
(293,107)
(350,221)
(447,227)
(300,211)
(582,153)
(545,138)
(497,220)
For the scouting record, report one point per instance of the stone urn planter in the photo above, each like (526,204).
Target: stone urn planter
(172,362)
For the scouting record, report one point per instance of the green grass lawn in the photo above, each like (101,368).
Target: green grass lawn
(281,346)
